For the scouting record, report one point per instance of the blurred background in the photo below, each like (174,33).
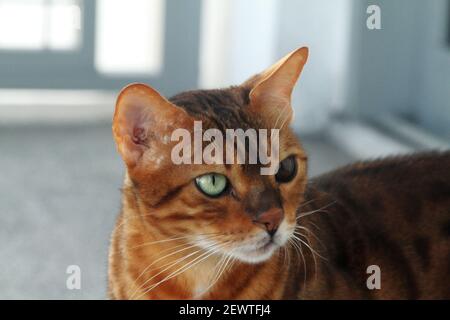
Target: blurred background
(363,94)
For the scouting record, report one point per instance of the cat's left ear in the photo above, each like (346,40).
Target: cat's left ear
(271,90)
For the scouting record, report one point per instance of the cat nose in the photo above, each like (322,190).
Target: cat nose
(270,220)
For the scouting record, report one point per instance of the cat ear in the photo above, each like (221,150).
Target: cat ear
(271,90)
(143,120)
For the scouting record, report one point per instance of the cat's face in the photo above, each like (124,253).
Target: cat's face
(222,208)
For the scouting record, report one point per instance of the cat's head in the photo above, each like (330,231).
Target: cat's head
(224,207)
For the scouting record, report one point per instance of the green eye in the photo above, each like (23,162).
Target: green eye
(212,184)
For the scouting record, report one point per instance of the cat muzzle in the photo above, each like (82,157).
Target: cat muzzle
(270,220)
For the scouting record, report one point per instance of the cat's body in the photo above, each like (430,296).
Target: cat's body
(224,231)
(393,213)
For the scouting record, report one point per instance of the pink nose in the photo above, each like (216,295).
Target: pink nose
(270,219)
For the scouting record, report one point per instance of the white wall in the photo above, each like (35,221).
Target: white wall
(323,26)
(237,40)
(404,68)
(241,38)
(384,63)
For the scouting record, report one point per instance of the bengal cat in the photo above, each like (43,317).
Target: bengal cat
(225,231)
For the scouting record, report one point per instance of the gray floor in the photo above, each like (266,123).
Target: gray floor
(59,196)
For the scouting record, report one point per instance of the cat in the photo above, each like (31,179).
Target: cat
(378,229)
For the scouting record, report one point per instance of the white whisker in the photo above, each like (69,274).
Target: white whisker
(298,248)
(222,269)
(172,239)
(185,267)
(167,266)
(186,247)
(311,233)
(307,245)
(314,211)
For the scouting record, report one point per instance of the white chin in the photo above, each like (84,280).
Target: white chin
(256,255)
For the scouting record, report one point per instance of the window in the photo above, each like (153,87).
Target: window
(40,24)
(99,44)
(129,36)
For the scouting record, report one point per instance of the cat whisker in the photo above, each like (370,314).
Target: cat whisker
(125,220)
(314,225)
(305,214)
(185,267)
(298,249)
(222,269)
(302,215)
(167,266)
(311,233)
(186,246)
(283,250)
(308,245)
(307,202)
(173,239)
(314,253)
(216,273)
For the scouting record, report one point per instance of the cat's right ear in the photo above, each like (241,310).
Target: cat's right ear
(143,119)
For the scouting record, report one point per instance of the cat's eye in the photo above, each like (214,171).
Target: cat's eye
(287,170)
(212,184)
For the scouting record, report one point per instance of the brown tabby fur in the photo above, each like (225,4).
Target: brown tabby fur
(394,213)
